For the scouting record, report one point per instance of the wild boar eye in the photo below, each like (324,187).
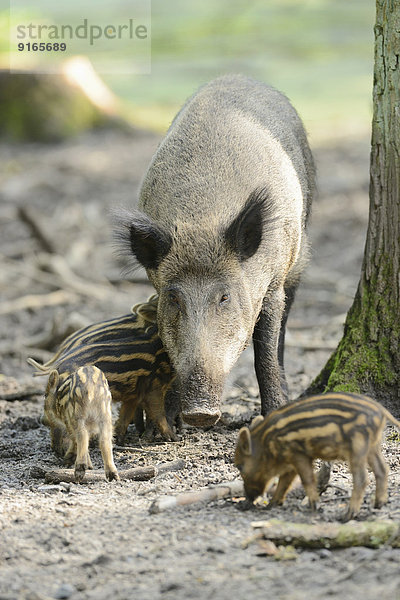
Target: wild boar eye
(224,299)
(173,299)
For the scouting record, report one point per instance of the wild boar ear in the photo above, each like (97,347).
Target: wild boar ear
(244,441)
(147,310)
(148,241)
(256,421)
(245,233)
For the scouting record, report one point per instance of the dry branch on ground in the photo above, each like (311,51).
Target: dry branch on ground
(328,535)
(135,474)
(222,490)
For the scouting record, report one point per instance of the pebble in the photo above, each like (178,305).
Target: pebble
(216,548)
(253,391)
(66,486)
(51,488)
(169,587)
(307,555)
(65,590)
(362,553)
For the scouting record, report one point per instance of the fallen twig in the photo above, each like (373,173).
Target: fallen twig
(323,324)
(28,269)
(311,344)
(132,449)
(328,535)
(135,474)
(141,449)
(31,218)
(38,301)
(12,389)
(60,328)
(139,280)
(23,349)
(70,280)
(222,490)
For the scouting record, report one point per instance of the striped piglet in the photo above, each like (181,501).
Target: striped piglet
(334,426)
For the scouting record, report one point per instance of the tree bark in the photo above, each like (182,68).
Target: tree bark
(368,357)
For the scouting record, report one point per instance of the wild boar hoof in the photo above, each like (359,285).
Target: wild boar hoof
(153,433)
(244,505)
(120,439)
(80,472)
(168,435)
(112,475)
(273,503)
(69,460)
(379,503)
(313,506)
(347,516)
(172,437)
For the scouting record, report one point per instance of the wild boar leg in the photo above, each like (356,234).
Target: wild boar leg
(282,488)
(380,470)
(82,451)
(138,420)
(154,405)
(126,415)
(105,444)
(59,437)
(265,340)
(173,407)
(290,293)
(305,469)
(70,455)
(359,473)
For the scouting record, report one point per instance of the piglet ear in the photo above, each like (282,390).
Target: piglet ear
(146,240)
(244,441)
(245,233)
(256,421)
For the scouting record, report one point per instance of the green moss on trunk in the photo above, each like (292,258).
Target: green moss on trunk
(362,363)
(368,356)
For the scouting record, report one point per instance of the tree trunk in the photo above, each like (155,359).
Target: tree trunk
(368,356)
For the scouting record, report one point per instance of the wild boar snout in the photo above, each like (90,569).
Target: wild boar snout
(200,399)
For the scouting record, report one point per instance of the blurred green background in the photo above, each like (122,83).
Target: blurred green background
(319,52)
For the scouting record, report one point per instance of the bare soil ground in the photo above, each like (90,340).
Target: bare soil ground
(98,541)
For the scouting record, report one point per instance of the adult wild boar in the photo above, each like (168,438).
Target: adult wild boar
(220,231)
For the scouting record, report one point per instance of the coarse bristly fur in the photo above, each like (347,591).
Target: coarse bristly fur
(129,352)
(220,230)
(80,403)
(333,426)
